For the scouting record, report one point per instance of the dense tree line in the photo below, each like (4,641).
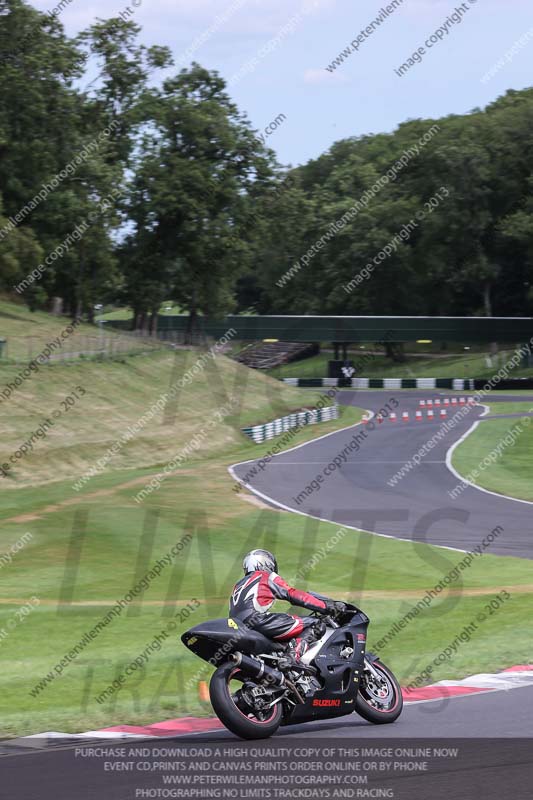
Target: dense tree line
(178,197)
(470,255)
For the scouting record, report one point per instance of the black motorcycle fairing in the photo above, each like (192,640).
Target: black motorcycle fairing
(338,674)
(215,639)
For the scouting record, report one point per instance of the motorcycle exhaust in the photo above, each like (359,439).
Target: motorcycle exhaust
(256,669)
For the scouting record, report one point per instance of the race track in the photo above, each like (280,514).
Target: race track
(58,774)
(358,493)
(418,507)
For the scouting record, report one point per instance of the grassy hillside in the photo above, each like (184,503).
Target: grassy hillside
(167,309)
(28,333)
(470,366)
(113,395)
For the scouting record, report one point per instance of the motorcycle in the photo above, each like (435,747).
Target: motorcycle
(258,685)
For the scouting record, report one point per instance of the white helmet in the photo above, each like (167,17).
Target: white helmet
(259,560)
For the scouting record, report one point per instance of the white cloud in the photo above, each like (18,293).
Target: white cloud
(321,77)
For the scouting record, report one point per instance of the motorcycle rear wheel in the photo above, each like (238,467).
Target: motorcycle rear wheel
(379,703)
(242,724)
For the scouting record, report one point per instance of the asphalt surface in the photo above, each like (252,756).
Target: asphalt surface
(506,770)
(419,507)
(501,713)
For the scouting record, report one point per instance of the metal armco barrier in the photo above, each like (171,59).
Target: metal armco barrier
(259,433)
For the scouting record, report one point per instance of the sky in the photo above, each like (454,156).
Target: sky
(275,53)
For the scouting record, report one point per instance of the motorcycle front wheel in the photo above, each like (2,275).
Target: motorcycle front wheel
(226,691)
(379,700)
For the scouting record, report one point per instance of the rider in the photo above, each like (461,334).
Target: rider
(253,596)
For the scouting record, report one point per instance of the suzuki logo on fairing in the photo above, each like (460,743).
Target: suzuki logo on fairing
(326,703)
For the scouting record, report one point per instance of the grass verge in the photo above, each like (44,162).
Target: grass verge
(511,473)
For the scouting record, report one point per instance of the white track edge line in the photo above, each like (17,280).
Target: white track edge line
(231,470)
(303,444)
(449,456)
(449,453)
(331,521)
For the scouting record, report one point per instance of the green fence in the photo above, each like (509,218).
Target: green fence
(514,330)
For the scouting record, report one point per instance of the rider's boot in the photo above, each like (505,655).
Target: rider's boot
(300,644)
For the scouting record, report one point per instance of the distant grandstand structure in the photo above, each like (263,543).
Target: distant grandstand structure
(267,355)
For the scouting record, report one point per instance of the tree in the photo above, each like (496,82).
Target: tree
(19,254)
(188,199)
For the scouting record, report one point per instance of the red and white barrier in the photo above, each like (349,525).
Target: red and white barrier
(422,403)
(517,677)
(431,414)
(443,413)
(418,416)
(405,416)
(393,416)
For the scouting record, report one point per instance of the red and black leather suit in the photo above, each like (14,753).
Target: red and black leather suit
(255,594)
